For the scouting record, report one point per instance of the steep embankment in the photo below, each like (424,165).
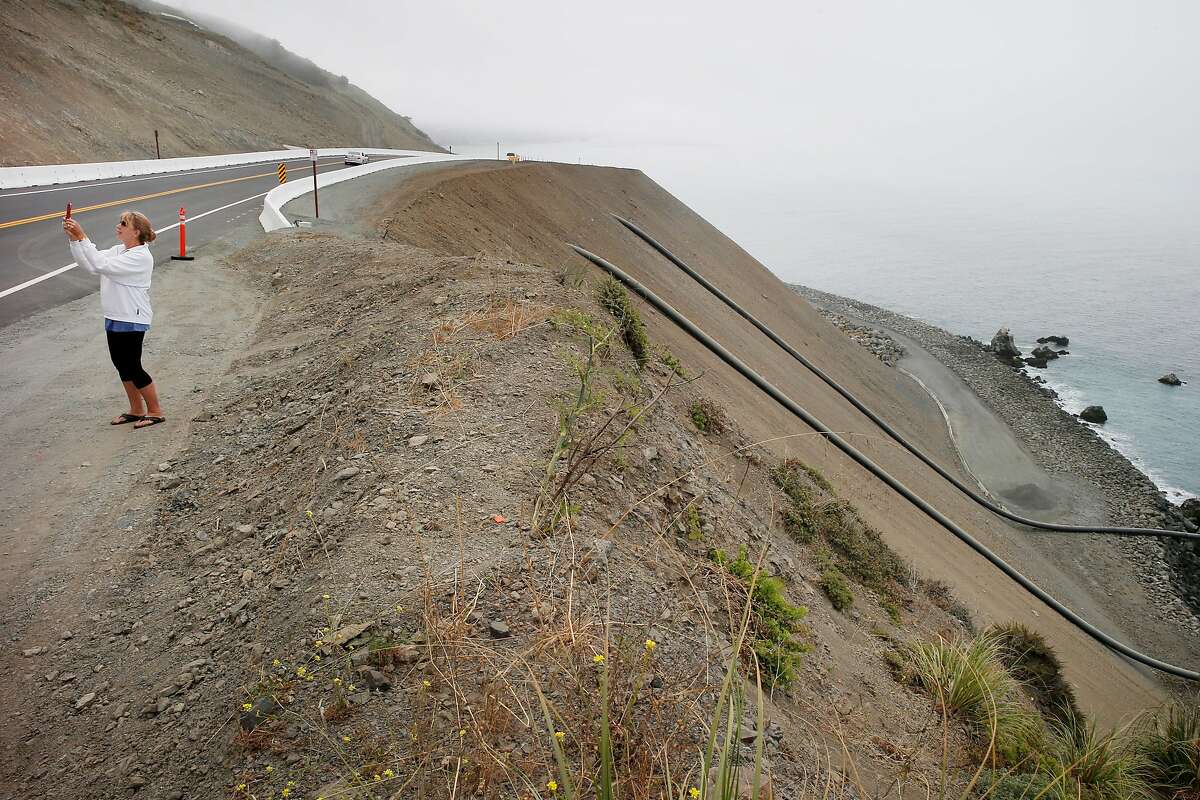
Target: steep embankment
(92,80)
(529,213)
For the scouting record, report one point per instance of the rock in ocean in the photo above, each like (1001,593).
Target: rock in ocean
(1003,344)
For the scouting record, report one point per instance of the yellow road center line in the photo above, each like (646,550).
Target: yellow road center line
(58,214)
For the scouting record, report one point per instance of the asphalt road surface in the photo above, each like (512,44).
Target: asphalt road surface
(32,243)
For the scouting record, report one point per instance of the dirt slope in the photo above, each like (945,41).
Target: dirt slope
(527,213)
(90,80)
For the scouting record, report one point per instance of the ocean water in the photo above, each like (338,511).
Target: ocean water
(1117,271)
(1123,284)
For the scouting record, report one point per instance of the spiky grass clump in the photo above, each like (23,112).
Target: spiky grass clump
(1170,747)
(615,300)
(968,681)
(1032,661)
(1085,763)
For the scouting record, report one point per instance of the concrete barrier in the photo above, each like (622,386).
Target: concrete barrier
(272,217)
(52,174)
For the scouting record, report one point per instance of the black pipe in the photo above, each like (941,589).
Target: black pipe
(779,397)
(888,429)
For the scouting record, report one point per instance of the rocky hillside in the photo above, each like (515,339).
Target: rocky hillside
(465,520)
(91,80)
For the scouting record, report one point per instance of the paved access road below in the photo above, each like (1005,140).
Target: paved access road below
(32,243)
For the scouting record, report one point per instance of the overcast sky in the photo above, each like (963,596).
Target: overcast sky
(861,88)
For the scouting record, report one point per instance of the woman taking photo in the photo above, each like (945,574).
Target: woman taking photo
(124,271)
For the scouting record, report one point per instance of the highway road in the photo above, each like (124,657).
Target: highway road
(32,244)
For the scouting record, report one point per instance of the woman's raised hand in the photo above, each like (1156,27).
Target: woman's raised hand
(74,230)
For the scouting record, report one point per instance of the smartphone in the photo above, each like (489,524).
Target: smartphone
(68,216)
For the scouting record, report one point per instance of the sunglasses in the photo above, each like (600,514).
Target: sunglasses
(122,224)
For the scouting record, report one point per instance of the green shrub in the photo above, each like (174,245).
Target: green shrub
(967,679)
(786,477)
(1007,785)
(707,416)
(861,551)
(615,300)
(672,363)
(776,625)
(798,523)
(1032,661)
(1170,747)
(837,589)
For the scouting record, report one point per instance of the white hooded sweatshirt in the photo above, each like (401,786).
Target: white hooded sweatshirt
(124,279)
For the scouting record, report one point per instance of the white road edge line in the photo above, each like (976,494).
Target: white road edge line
(179,174)
(72,265)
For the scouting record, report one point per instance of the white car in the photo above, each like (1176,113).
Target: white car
(356,157)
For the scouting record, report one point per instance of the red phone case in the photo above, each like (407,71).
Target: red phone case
(68,211)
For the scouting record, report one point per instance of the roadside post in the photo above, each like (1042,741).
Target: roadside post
(312,156)
(183,256)
(282,172)
(157,152)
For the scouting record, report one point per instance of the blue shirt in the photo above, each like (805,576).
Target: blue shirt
(116,326)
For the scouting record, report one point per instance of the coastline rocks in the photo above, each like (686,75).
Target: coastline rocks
(1003,344)
(1061,341)
(1170,379)
(1094,414)
(1190,510)
(1045,352)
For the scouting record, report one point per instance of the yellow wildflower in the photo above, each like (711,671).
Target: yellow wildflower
(694,793)
(324,597)
(345,738)
(316,658)
(387,773)
(552,785)
(599,659)
(318,643)
(309,513)
(275,663)
(270,768)
(426,684)
(651,644)
(376,777)
(559,735)
(241,787)
(461,733)
(337,681)
(351,687)
(301,671)
(285,793)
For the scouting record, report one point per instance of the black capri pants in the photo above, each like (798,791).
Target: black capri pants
(125,347)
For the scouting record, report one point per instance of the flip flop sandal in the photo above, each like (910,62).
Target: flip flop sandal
(126,419)
(151,421)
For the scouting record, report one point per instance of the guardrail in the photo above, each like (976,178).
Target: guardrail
(272,217)
(51,174)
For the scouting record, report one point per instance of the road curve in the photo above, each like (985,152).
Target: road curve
(32,244)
